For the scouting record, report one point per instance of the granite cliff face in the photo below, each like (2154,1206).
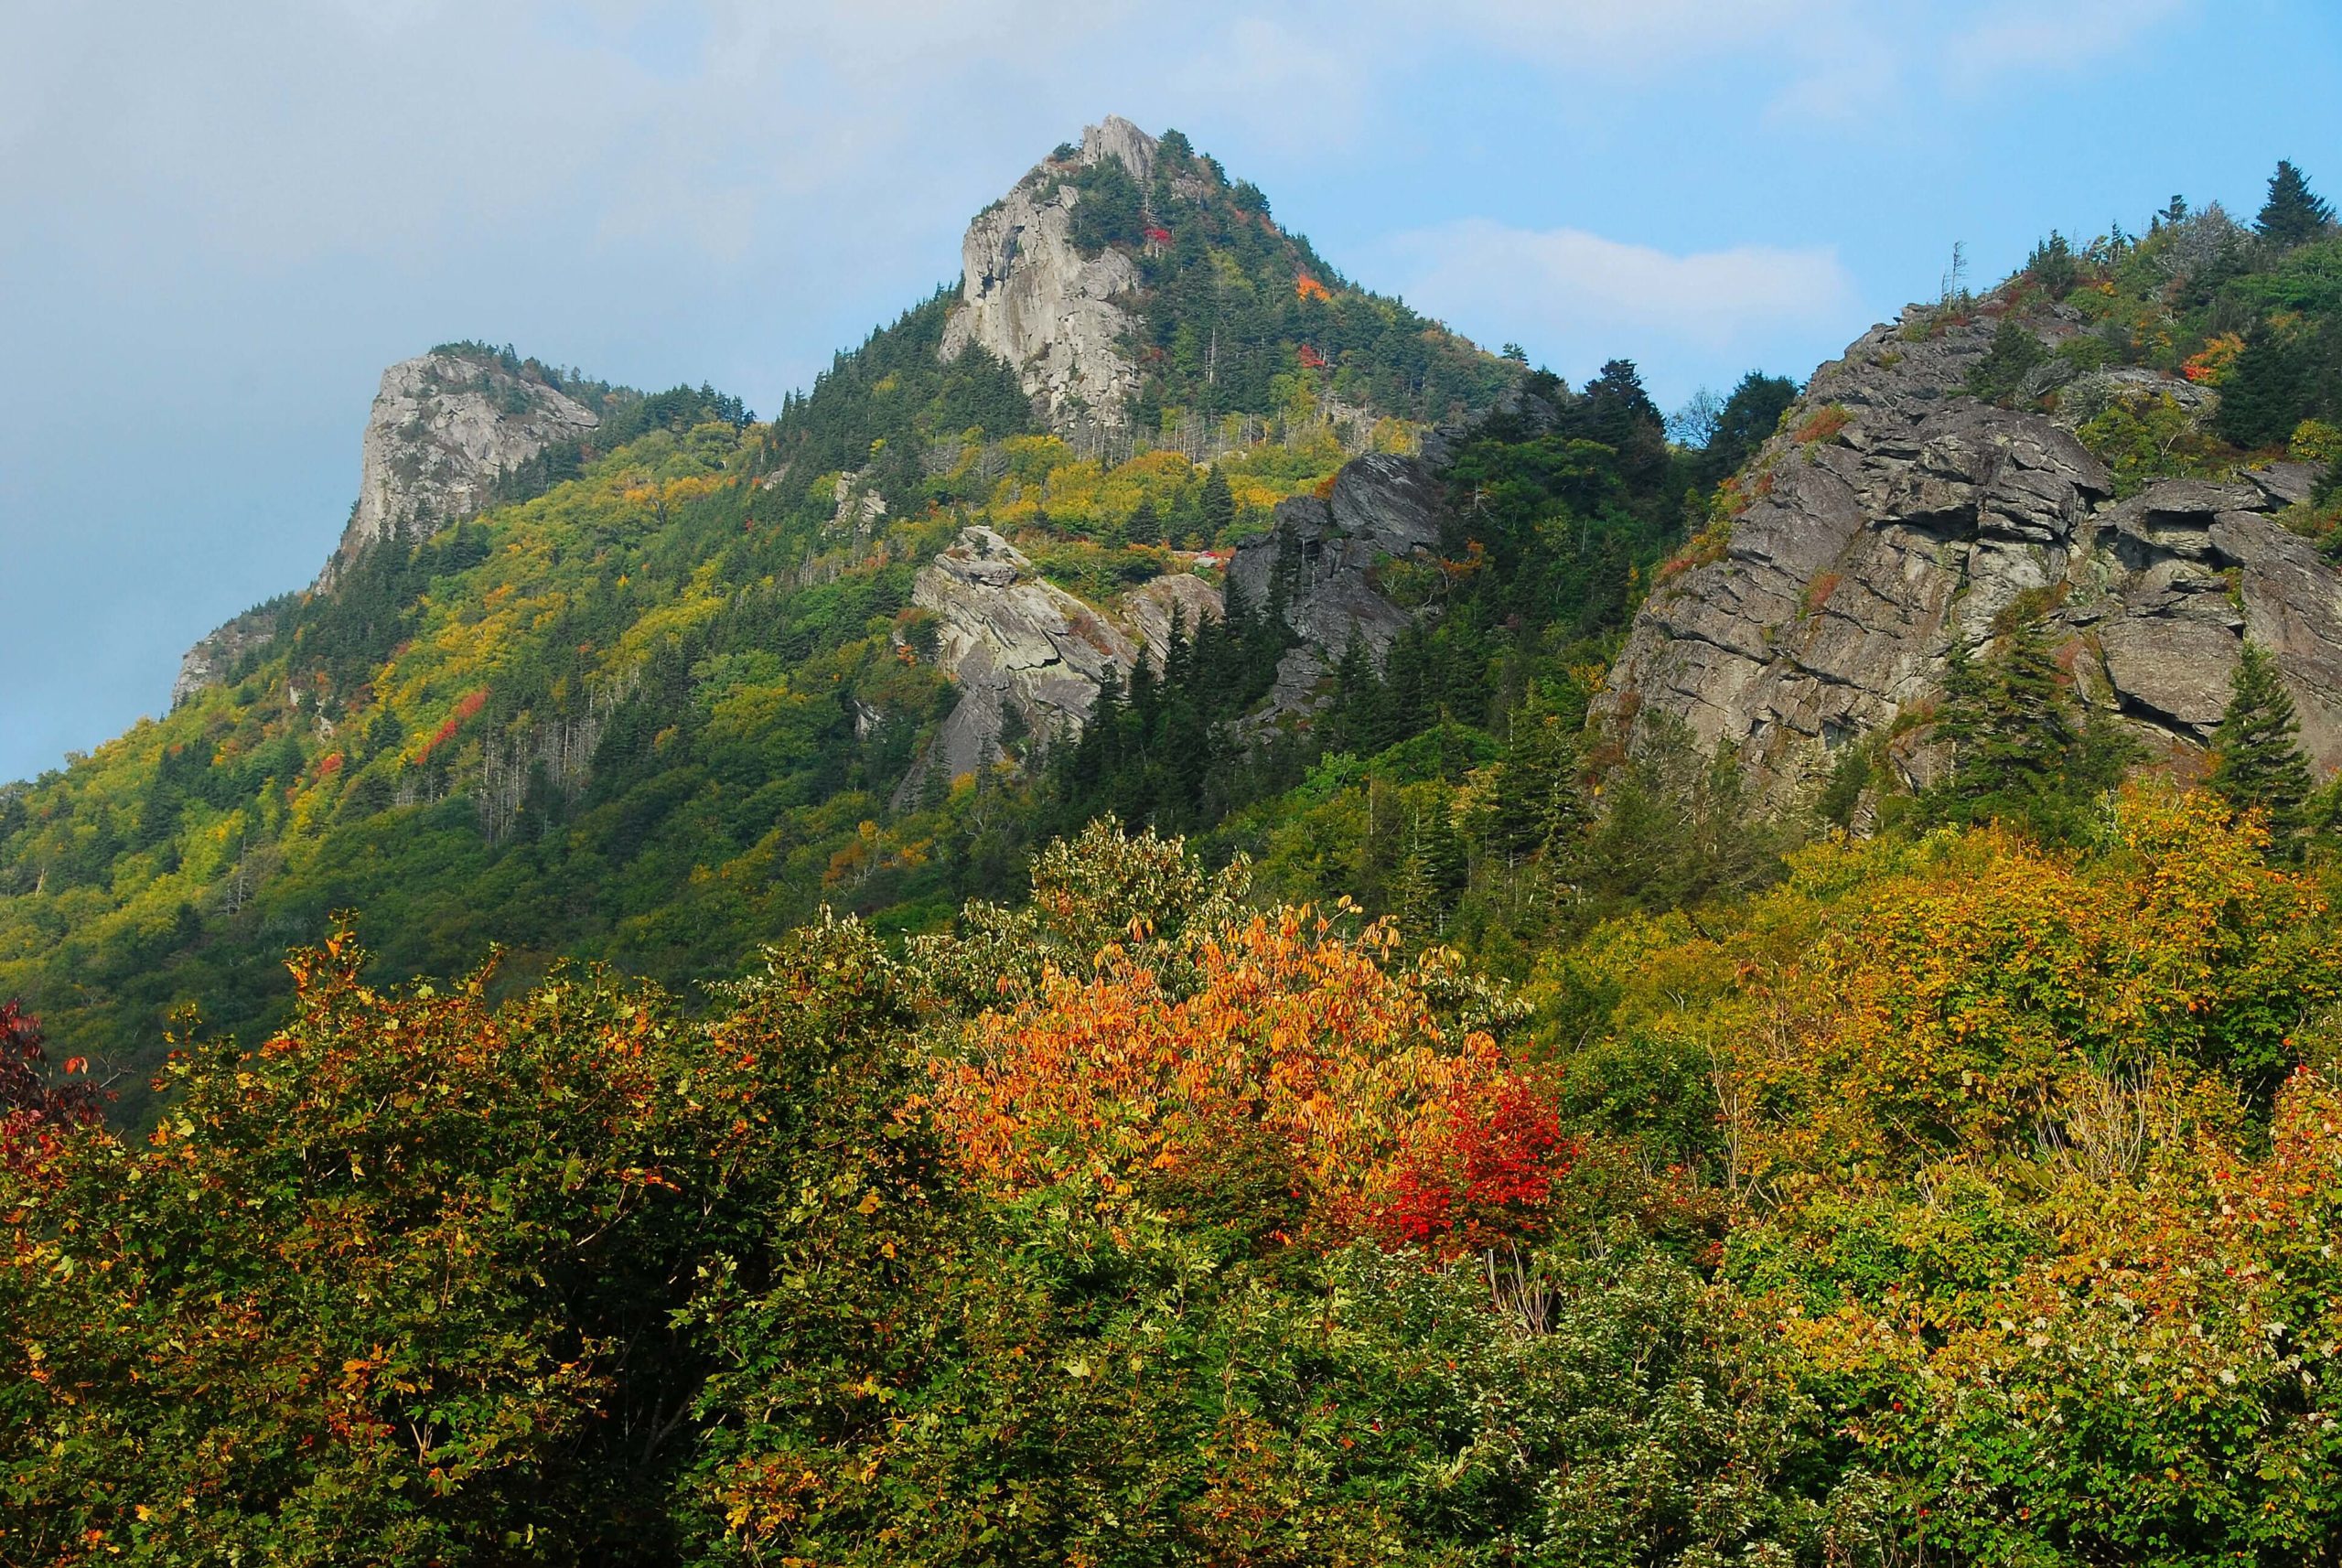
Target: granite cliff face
(1052,315)
(1382,507)
(1897,518)
(443,426)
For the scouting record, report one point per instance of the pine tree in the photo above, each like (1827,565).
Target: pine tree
(2256,763)
(2294,214)
(1144,527)
(1218,506)
(2023,753)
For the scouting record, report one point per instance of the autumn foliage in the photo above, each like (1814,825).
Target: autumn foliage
(1294,1034)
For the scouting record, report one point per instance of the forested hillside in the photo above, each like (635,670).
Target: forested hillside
(1399,1095)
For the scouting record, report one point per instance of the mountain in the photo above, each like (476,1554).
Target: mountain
(1765,997)
(636,677)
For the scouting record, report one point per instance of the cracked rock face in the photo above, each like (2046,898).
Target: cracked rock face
(1151,607)
(1011,642)
(1046,310)
(1847,584)
(209,662)
(443,427)
(1014,643)
(1382,507)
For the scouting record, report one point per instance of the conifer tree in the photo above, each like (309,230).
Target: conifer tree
(2294,214)
(1218,505)
(2256,763)
(2023,753)
(1144,527)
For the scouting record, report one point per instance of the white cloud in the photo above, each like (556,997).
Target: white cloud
(1298,89)
(2034,36)
(1576,297)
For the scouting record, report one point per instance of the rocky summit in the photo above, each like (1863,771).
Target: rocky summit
(1030,295)
(444,428)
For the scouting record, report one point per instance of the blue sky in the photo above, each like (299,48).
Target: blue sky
(217,223)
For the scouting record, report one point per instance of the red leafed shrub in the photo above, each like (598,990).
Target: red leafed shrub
(1158,236)
(466,706)
(1484,1178)
(1310,358)
(32,1105)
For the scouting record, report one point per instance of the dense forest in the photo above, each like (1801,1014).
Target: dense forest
(1416,1131)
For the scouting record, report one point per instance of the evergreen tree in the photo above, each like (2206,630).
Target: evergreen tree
(2014,353)
(2294,214)
(1144,527)
(1751,414)
(1217,505)
(2024,754)
(2256,763)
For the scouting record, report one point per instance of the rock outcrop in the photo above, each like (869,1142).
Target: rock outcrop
(443,426)
(1151,607)
(1013,644)
(211,661)
(1026,654)
(1897,519)
(1320,560)
(1030,296)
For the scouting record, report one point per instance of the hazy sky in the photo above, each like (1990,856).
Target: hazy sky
(218,222)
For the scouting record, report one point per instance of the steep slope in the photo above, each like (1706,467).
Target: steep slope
(635,678)
(1899,516)
(449,430)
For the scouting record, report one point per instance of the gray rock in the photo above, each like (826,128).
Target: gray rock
(209,662)
(1151,607)
(443,427)
(1047,311)
(1932,516)
(1382,507)
(1011,643)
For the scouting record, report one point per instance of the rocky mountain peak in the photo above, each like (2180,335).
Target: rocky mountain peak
(1030,295)
(443,426)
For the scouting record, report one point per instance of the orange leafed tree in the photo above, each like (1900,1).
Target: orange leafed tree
(1295,1035)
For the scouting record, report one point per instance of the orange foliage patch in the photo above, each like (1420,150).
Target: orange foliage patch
(1306,287)
(1824,424)
(1294,1037)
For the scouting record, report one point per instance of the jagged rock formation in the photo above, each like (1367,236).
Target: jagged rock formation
(444,426)
(1322,555)
(209,662)
(1018,645)
(1013,643)
(1151,607)
(1047,311)
(1896,518)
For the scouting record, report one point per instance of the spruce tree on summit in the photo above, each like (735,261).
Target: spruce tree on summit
(2294,214)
